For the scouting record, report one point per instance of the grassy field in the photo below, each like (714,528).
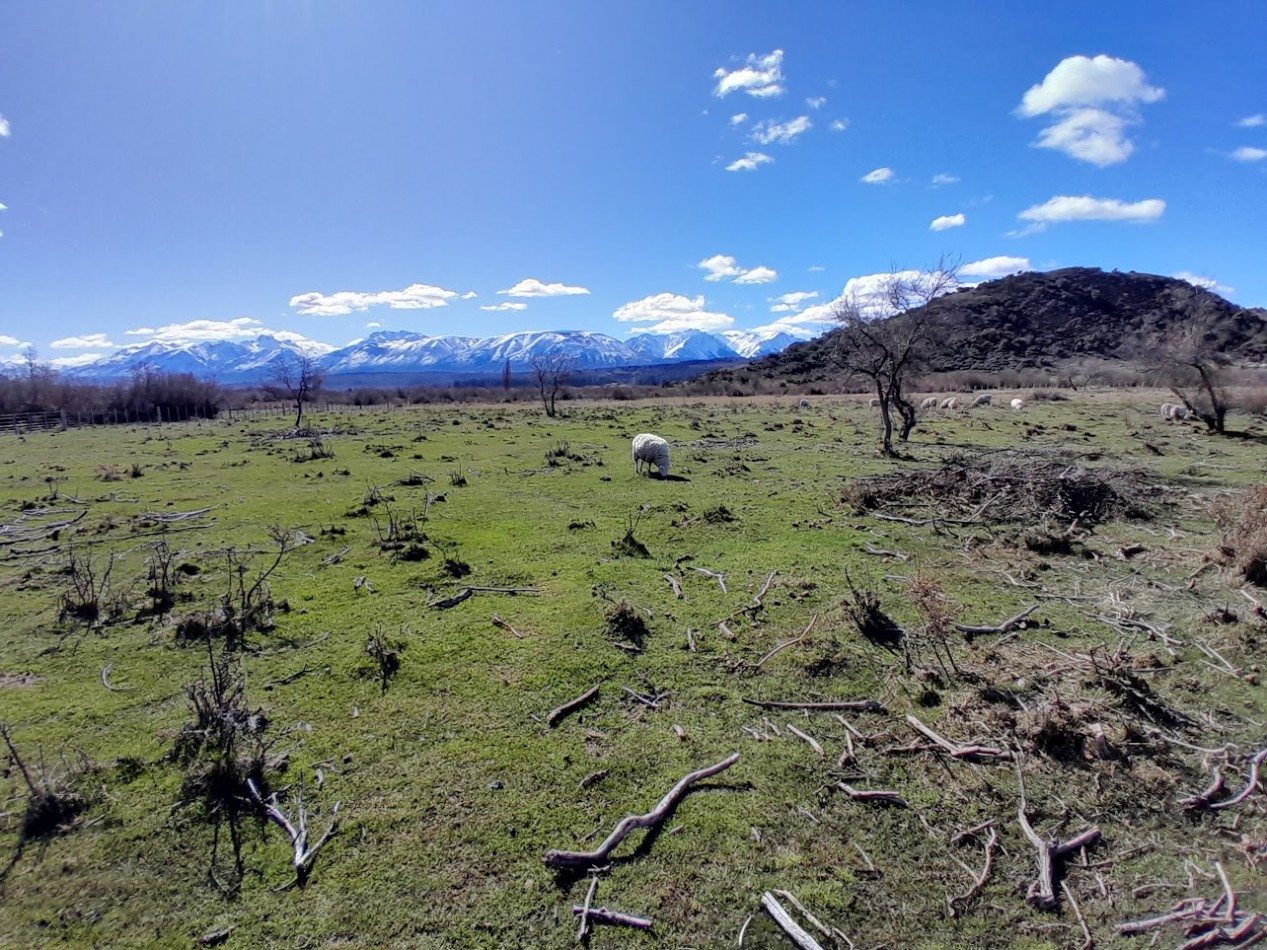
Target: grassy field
(1131,682)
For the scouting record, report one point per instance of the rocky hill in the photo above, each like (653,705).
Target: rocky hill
(1043,319)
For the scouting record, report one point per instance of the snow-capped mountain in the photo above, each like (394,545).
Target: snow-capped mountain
(753,344)
(405,352)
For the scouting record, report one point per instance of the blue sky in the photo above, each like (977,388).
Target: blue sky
(322,169)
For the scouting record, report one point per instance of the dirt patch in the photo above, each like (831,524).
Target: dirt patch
(18,679)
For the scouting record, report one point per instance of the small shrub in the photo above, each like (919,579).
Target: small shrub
(109,473)
(1242,524)
(385,654)
(455,567)
(55,797)
(625,624)
(136,471)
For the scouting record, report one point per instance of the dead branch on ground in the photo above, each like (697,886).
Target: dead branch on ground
(303,856)
(605,915)
(886,795)
(718,576)
(859,705)
(783,646)
(499,622)
(673,582)
(957,904)
(955,749)
(105,681)
(582,860)
(466,592)
(1005,627)
(796,933)
(558,713)
(1042,891)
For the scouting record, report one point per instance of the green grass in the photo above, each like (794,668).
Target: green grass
(452,786)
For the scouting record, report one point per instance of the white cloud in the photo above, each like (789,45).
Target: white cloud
(1086,208)
(878,177)
(1090,135)
(1086,81)
(725,267)
(816,102)
(783,133)
(90,342)
(1209,283)
(947,221)
(3,206)
(1248,154)
(1094,99)
(739,118)
(720,267)
(240,328)
(760,76)
(83,359)
(413,297)
(757,275)
(4,127)
(10,341)
(944,179)
(375,325)
(816,268)
(1253,121)
(992,267)
(470,295)
(792,302)
(670,313)
(749,163)
(531,287)
(839,125)
(506,305)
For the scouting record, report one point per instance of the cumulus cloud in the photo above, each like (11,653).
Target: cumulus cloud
(760,76)
(413,297)
(839,125)
(670,313)
(10,341)
(947,221)
(793,302)
(816,102)
(784,133)
(725,267)
(878,177)
(1247,153)
(1094,100)
(4,127)
(992,267)
(90,342)
(240,328)
(1086,208)
(506,305)
(944,179)
(1209,283)
(3,206)
(750,162)
(739,118)
(1253,121)
(531,287)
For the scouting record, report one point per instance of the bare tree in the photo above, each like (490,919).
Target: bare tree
(39,376)
(1192,364)
(552,372)
(301,377)
(884,339)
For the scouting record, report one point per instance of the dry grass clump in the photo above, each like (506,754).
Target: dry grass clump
(55,795)
(1242,524)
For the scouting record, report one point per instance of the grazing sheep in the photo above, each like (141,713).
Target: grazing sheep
(873,402)
(951,403)
(1175,411)
(1166,409)
(983,400)
(1018,404)
(804,403)
(653,450)
(928,402)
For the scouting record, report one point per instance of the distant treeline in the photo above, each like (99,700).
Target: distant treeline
(146,395)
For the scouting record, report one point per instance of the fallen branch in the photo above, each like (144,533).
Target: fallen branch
(860,705)
(673,582)
(645,700)
(605,915)
(798,934)
(287,680)
(955,749)
(1251,783)
(105,681)
(558,713)
(957,904)
(756,601)
(337,556)
(499,622)
(303,856)
(585,911)
(813,744)
(1005,627)
(783,646)
(1042,892)
(466,592)
(871,794)
(582,860)
(1088,941)
(718,576)
(870,548)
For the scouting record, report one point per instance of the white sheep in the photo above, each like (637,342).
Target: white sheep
(951,403)
(804,403)
(1018,404)
(928,402)
(1179,412)
(873,402)
(983,400)
(1166,409)
(653,450)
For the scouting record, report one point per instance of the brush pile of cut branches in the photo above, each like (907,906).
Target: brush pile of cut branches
(1010,491)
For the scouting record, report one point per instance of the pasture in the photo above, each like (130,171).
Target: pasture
(425,586)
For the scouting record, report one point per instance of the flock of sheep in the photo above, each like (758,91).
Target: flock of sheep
(649,449)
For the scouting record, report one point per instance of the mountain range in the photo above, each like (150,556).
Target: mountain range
(402,354)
